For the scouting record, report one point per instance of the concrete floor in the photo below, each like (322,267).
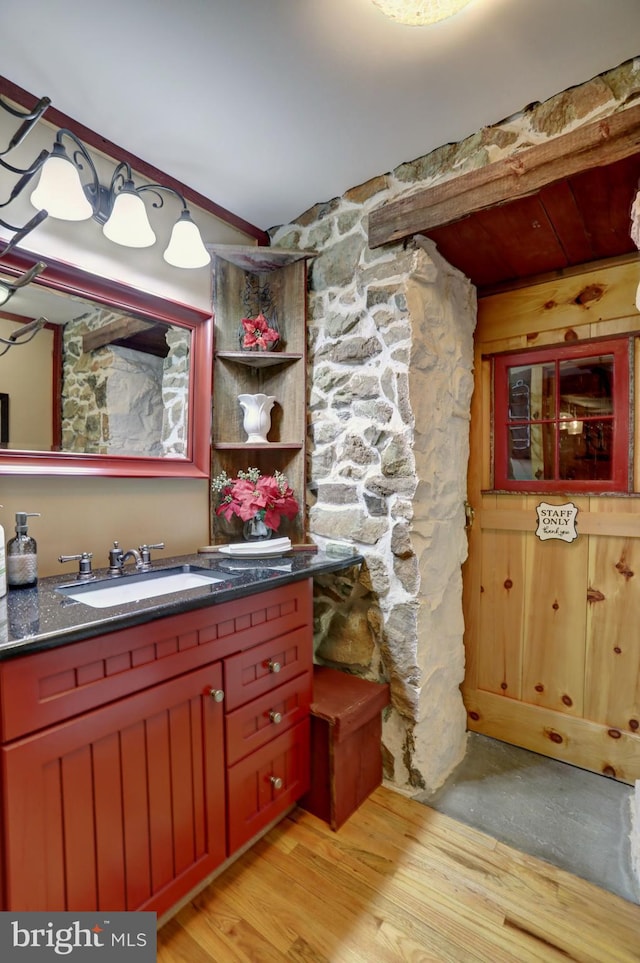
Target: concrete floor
(577,820)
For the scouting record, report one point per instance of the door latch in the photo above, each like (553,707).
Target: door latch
(469,515)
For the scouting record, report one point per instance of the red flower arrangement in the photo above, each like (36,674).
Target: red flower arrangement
(254,495)
(257,333)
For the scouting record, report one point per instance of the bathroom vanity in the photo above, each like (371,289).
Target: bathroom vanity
(146,744)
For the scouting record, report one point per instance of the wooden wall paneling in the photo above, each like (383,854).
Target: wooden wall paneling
(635,420)
(503,225)
(602,194)
(555,620)
(567,221)
(455,244)
(501,627)
(478,477)
(612,676)
(559,735)
(562,303)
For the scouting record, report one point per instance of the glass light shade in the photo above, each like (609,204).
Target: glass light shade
(128,223)
(418,13)
(60,191)
(185,248)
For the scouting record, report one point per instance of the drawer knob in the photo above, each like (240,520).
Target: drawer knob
(217,694)
(273,666)
(276,782)
(275,717)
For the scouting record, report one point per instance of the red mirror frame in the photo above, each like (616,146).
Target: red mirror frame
(71,280)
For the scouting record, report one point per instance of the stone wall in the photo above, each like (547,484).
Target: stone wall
(390,375)
(123,402)
(175,393)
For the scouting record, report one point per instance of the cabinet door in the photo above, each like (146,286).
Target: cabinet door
(122,808)
(267,783)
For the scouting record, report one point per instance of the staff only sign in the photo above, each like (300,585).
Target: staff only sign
(557,521)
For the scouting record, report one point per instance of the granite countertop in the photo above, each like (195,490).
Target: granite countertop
(39,618)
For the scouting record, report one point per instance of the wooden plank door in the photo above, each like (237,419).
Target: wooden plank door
(553,655)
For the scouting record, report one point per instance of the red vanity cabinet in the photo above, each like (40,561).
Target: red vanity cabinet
(135,763)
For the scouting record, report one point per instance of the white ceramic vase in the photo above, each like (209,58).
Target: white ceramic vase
(257,416)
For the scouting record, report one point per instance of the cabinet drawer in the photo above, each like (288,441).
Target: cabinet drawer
(258,722)
(267,783)
(258,670)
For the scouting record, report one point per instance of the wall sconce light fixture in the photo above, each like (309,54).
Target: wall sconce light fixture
(419,13)
(119,208)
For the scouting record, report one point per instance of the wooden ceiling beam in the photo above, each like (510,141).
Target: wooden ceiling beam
(119,330)
(594,145)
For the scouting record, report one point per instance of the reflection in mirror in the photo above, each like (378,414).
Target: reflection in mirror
(104,378)
(117,384)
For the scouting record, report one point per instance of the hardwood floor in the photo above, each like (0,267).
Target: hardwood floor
(398,882)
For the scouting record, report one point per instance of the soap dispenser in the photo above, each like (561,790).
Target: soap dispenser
(22,554)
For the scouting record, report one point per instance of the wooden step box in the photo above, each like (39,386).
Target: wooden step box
(346,737)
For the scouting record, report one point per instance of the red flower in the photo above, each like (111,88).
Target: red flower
(257,331)
(251,494)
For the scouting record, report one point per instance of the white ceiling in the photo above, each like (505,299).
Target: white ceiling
(270,106)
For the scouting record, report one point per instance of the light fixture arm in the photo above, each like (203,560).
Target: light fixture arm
(154,188)
(91,190)
(20,337)
(27,174)
(21,232)
(29,119)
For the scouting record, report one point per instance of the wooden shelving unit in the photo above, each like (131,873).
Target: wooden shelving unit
(246,281)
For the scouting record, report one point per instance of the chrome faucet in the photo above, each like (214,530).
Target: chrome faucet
(135,554)
(141,555)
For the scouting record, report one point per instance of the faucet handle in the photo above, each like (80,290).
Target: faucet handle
(84,569)
(115,559)
(145,552)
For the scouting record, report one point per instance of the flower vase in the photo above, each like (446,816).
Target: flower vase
(255,530)
(257,416)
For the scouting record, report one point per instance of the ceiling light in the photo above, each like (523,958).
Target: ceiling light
(119,208)
(418,13)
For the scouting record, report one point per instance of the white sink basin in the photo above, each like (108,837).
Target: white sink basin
(135,588)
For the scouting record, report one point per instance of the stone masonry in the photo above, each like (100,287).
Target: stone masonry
(124,402)
(390,376)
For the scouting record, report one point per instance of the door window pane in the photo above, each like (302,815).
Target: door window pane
(561,418)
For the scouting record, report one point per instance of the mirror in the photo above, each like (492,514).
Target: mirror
(117,382)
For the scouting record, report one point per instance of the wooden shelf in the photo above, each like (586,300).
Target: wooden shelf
(258,259)
(259,359)
(248,446)
(247,281)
